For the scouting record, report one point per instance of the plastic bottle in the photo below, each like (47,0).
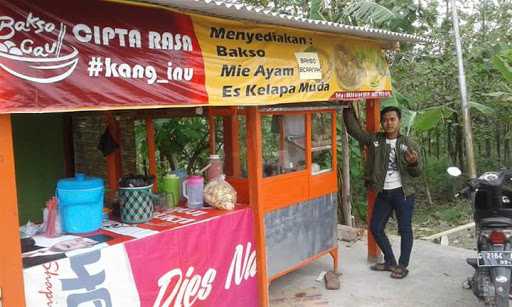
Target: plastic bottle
(216,167)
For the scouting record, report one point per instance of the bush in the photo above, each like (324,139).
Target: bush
(442,186)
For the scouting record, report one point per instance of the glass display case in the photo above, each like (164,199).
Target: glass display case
(321,143)
(283,139)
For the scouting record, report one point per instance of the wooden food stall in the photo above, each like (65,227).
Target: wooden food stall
(272,83)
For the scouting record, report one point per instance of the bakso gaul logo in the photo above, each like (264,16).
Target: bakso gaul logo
(42,58)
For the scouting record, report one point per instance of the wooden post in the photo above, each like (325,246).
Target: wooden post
(334,137)
(113,159)
(150,137)
(212,134)
(282,149)
(117,137)
(308,145)
(69,152)
(255,171)
(335,253)
(372,126)
(11,272)
(345,195)
(232,146)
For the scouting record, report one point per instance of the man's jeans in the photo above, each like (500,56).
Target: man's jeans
(388,201)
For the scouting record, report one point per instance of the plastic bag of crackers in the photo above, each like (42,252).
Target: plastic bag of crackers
(220,194)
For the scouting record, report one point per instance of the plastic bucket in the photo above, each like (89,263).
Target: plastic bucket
(81,210)
(136,204)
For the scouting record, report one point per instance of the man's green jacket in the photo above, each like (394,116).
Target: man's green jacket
(378,155)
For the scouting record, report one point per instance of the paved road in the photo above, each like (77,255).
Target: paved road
(435,279)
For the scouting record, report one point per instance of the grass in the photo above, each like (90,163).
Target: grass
(437,218)
(429,220)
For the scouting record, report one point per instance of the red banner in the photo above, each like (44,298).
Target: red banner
(58,56)
(72,55)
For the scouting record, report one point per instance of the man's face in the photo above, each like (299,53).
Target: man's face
(72,244)
(390,122)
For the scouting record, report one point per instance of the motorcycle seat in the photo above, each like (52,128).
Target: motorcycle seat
(496,222)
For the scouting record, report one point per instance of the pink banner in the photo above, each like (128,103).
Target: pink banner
(210,264)
(182,258)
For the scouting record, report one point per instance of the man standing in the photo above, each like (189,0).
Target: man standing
(393,161)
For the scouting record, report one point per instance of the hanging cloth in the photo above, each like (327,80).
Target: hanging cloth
(107,144)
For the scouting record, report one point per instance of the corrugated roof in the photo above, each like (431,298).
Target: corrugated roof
(260,14)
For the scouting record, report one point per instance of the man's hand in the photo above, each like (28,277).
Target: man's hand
(411,156)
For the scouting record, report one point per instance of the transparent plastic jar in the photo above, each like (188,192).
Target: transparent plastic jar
(216,167)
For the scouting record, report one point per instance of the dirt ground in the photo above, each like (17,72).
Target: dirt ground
(433,219)
(462,239)
(435,279)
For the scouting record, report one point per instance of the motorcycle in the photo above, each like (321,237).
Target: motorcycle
(491,195)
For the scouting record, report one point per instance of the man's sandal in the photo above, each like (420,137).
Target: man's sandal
(382,267)
(399,272)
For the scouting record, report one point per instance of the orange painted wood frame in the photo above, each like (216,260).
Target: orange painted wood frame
(226,111)
(284,190)
(114,159)
(211,134)
(232,164)
(231,127)
(142,114)
(372,126)
(69,153)
(276,192)
(11,272)
(262,191)
(254,163)
(327,182)
(305,186)
(309,146)
(241,186)
(115,130)
(150,138)
(281,140)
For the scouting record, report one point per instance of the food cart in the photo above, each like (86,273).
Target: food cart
(273,80)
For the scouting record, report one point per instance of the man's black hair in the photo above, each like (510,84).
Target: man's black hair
(391,109)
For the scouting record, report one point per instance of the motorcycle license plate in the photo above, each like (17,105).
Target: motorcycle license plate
(495,258)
